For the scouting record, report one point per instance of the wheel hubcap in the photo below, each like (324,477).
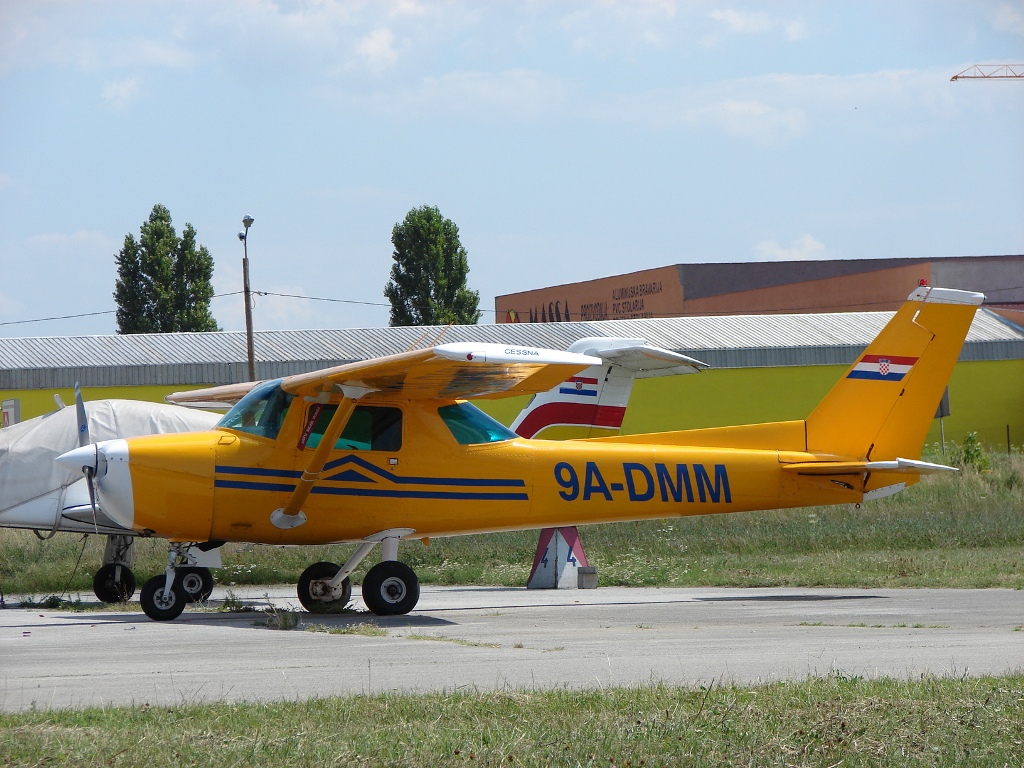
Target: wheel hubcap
(321,592)
(393,590)
(192,583)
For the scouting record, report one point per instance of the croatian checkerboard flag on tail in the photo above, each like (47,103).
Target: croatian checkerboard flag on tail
(579,385)
(882,368)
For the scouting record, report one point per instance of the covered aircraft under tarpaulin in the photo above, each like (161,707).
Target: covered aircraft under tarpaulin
(43,495)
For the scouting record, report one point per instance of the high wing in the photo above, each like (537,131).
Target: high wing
(447,371)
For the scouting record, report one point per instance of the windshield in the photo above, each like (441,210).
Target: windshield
(469,425)
(261,412)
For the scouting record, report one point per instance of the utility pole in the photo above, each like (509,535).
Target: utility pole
(250,352)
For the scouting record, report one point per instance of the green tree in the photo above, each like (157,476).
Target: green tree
(163,281)
(428,278)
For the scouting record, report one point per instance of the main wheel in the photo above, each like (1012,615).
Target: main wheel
(114,583)
(160,606)
(391,588)
(197,583)
(316,596)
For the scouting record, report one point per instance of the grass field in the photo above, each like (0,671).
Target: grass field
(957,531)
(832,721)
(964,530)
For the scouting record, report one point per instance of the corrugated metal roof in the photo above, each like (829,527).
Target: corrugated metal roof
(733,341)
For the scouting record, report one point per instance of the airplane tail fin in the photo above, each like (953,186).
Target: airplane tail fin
(883,406)
(593,402)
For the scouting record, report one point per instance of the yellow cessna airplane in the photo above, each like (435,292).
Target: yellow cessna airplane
(389,449)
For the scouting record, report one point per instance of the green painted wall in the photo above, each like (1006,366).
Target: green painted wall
(36,402)
(984,397)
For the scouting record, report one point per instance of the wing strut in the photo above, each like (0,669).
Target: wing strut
(291,514)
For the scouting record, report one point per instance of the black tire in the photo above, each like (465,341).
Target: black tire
(157,605)
(197,583)
(391,588)
(312,591)
(114,583)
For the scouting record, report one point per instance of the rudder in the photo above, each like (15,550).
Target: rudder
(884,404)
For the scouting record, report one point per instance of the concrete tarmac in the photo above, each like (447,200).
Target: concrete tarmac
(486,638)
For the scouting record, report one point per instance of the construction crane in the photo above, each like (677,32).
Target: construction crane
(991,72)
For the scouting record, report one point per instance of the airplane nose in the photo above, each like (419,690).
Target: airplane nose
(111,477)
(79,458)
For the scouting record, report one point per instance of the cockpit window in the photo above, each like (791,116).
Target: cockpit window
(470,426)
(369,428)
(261,412)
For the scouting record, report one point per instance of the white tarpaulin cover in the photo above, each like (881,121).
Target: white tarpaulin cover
(27,450)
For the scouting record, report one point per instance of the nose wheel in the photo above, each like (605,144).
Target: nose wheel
(164,597)
(160,604)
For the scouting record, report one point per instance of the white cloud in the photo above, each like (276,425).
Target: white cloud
(804,248)
(753,120)
(610,27)
(1009,19)
(775,109)
(511,94)
(744,22)
(378,48)
(795,30)
(755,23)
(120,92)
(73,35)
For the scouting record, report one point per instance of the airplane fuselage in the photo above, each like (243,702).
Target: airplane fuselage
(224,484)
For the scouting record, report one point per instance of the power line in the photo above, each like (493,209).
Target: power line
(776,310)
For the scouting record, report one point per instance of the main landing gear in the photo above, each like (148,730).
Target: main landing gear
(390,588)
(164,597)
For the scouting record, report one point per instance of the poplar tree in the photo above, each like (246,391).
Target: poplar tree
(428,278)
(163,281)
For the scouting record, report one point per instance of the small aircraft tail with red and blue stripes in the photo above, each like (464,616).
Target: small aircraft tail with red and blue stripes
(593,402)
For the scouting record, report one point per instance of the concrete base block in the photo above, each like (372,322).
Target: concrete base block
(586,577)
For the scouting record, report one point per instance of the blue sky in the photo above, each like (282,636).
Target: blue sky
(567,140)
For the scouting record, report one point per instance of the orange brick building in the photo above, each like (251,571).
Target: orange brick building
(853,285)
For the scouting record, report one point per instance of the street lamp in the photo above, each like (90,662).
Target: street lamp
(247,221)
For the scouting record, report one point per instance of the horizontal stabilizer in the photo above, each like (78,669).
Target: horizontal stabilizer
(899,466)
(644,360)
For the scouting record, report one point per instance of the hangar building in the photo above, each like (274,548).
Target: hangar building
(764,367)
(842,285)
